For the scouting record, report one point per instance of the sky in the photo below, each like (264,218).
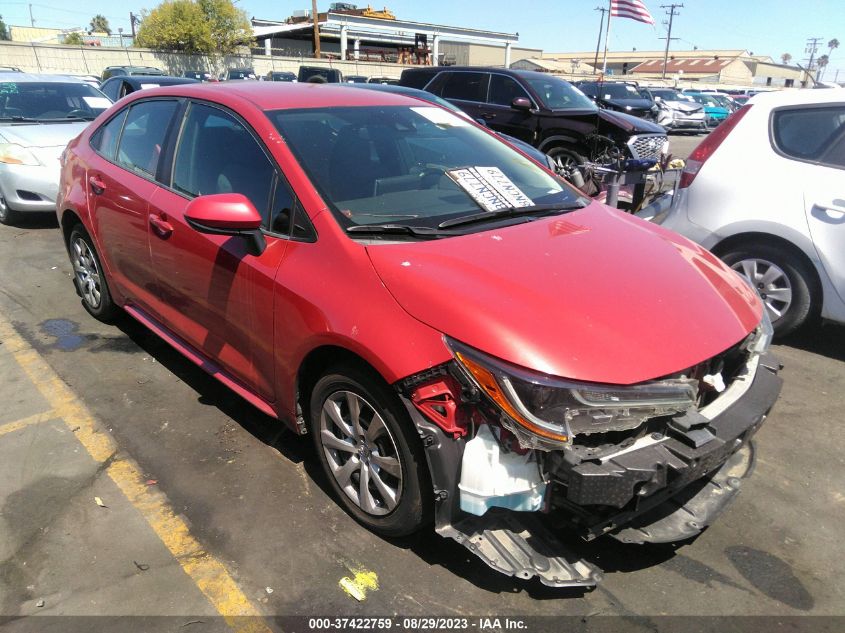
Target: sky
(764,27)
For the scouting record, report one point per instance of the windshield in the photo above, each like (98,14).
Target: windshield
(671,95)
(417,166)
(50,100)
(557,94)
(619,91)
(706,100)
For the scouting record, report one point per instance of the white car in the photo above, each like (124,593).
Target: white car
(766,193)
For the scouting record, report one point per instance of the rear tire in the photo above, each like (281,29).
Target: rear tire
(89,276)
(785,282)
(369,451)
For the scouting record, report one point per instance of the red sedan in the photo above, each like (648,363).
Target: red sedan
(469,340)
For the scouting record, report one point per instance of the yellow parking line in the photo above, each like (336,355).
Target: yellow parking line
(207,572)
(17,425)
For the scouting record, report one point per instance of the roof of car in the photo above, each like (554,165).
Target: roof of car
(162,80)
(799,97)
(32,77)
(278,96)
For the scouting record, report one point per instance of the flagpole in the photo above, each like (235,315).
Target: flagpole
(607,35)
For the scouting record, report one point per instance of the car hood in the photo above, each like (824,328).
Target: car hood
(629,122)
(634,104)
(42,134)
(593,295)
(683,106)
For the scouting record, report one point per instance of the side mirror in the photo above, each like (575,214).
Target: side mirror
(227,214)
(521,103)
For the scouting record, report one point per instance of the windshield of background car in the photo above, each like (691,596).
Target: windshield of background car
(389,164)
(557,94)
(619,91)
(670,95)
(50,101)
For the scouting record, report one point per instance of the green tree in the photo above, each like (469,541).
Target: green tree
(4,32)
(821,62)
(195,26)
(74,39)
(99,24)
(786,58)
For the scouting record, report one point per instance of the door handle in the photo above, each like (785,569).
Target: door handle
(488,115)
(832,211)
(97,185)
(162,227)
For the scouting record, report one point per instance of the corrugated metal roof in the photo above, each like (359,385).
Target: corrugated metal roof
(687,66)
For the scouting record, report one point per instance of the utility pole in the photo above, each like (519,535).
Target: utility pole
(315,17)
(601,29)
(812,49)
(31,20)
(132,19)
(606,37)
(671,13)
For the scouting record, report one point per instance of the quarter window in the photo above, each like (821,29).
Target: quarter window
(466,87)
(143,135)
(105,139)
(217,154)
(810,133)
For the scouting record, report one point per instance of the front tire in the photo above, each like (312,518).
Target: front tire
(7,215)
(89,276)
(784,281)
(369,451)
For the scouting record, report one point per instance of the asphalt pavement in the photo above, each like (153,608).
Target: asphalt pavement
(208,508)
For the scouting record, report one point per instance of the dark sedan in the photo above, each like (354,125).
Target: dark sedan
(122,85)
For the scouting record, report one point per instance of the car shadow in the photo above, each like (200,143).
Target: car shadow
(825,339)
(608,554)
(36,220)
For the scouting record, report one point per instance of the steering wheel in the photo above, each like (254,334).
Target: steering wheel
(79,112)
(430,175)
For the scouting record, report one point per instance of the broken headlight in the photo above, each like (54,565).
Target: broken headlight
(546,412)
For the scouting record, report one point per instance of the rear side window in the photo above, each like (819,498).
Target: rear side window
(466,87)
(811,134)
(217,154)
(503,90)
(143,135)
(105,139)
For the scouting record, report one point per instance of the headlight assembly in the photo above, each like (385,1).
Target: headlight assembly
(14,154)
(546,412)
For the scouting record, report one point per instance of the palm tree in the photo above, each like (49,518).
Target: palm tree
(821,63)
(99,24)
(786,58)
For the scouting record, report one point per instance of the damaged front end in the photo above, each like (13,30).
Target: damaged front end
(518,459)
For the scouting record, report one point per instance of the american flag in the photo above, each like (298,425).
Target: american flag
(634,9)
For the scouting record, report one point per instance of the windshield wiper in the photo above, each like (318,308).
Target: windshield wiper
(510,212)
(396,229)
(20,119)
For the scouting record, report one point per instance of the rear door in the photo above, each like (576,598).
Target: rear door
(120,184)
(212,293)
(813,137)
(466,89)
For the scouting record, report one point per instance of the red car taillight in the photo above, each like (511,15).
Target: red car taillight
(709,145)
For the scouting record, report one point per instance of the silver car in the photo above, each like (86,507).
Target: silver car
(39,114)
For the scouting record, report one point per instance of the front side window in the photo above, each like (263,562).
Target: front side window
(105,139)
(50,101)
(466,87)
(217,154)
(810,133)
(557,94)
(143,135)
(503,90)
(399,164)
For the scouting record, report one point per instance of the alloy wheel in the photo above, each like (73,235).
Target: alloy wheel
(771,283)
(87,273)
(361,453)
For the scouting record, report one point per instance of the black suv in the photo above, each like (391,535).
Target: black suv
(542,110)
(621,96)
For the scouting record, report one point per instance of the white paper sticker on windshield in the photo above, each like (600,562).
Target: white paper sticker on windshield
(439,116)
(97,102)
(489,187)
(145,86)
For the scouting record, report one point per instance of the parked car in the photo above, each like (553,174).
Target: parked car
(241,74)
(766,193)
(280,75)
(91,80)
(469,341)
(620,96)
(200,75)
(391,81)
(677,111)
(356,79)
(713,110)
(39,114)
(325,75)
(118,87)
(726,100)
(544,111)
(115,71)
